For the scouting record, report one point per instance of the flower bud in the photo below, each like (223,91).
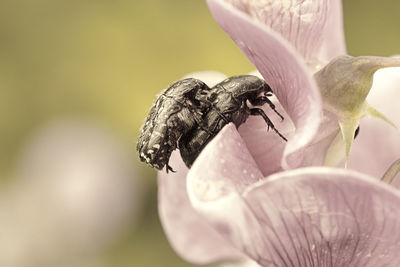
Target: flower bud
(344,84)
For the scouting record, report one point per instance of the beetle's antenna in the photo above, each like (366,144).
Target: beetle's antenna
(169,168)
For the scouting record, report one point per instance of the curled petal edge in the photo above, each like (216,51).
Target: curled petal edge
(283,68)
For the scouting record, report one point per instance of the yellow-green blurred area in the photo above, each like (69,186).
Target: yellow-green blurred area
(102,63)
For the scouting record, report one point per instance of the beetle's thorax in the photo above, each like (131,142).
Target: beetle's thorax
(224,104)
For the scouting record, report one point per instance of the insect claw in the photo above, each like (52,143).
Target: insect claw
(284,138)
(279,115)
(272,106)
(169,168)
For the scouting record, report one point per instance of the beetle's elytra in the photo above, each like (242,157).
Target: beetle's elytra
(188,114)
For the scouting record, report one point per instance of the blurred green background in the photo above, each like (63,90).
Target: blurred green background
(105,61)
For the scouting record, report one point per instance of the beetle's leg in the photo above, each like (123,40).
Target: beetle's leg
(259,111)
(168,167)
(261,100)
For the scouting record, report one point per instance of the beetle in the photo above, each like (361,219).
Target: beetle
(176,110)
(188,114)
(227,102)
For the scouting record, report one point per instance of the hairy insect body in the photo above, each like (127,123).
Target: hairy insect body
(189,114)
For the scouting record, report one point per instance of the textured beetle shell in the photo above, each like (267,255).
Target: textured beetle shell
(173,114)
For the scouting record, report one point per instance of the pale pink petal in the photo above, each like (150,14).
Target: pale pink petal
(378,144)
(314,28)
(188,233)
(246,263)
(315,153)
(334,43)
(306,217)
(333,216)
(282,67)
(227,154)
(267,147)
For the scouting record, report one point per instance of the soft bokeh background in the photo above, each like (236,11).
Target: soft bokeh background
(77,79)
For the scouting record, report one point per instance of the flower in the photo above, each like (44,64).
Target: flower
(256,202)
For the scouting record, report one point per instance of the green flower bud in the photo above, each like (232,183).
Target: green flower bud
(345,83)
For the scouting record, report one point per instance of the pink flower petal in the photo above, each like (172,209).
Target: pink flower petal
(315,153)
(378,144)
(315,213)
(189,234)
(282,67)
(334,43)
(246,263)
(314,28)
(306,217)
(227,154)
(267,147)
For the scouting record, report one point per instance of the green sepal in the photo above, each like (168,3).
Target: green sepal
(344,85)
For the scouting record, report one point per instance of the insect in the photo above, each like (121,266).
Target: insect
(175,112)
(228,103)
(188,114)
